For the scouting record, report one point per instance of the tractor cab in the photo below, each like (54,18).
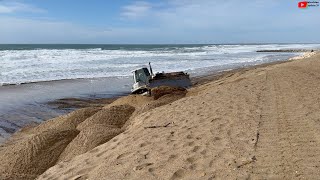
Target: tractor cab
(141,79)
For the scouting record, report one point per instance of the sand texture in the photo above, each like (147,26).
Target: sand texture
(98,129)
(35,154)
(256,123)
(109,116)
(89,138)
(34,149)
(157,92)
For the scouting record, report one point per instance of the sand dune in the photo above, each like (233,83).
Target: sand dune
(257,123)
(113,116)
(29,158)
(36,148)
(32,150)
(88,139)
(98,129)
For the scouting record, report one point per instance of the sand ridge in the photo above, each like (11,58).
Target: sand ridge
(35,148)
(97,129)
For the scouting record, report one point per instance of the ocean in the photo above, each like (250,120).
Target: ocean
(36,63)
(32,75)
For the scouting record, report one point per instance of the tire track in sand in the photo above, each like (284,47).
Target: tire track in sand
(288,145)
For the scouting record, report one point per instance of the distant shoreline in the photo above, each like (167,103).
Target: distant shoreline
(287,50)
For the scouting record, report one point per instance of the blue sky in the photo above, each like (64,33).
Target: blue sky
(162,21)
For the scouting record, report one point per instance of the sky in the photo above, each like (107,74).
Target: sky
(157,21)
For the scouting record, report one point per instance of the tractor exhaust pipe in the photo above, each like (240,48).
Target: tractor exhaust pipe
(150,69)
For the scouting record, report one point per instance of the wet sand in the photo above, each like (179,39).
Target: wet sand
(25,104)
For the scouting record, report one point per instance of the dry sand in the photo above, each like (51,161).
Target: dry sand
(28,158)
(35,148)
(257,123)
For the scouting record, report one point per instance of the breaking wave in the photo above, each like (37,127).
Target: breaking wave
(47,63)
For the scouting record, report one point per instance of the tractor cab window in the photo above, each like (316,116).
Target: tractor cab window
(142,75)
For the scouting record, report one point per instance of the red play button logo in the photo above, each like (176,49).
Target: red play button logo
(303,4)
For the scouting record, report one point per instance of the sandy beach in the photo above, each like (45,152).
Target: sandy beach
(259,122)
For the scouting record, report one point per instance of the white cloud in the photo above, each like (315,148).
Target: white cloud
(21,30)
(14,7)
(5,9)
(136,10)
(232,21)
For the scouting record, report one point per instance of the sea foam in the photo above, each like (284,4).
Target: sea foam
(45,64)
